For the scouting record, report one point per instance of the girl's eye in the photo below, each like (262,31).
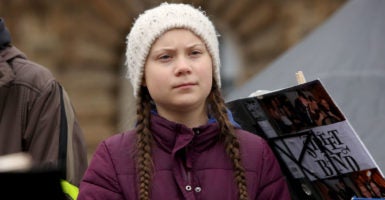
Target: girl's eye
(196,52)
(164,57)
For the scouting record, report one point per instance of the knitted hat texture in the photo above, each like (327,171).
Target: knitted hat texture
(153,23)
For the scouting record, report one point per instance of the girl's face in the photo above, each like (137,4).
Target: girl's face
(178,72)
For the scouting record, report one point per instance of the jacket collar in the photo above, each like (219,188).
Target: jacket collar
(7,75)
(173,137)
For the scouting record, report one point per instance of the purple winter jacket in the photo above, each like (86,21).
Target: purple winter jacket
(188,164)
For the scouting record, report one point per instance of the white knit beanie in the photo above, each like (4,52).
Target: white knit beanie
(153,23)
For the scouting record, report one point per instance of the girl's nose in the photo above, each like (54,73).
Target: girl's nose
(183,66)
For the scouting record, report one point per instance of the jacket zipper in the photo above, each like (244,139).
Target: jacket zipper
(187,171)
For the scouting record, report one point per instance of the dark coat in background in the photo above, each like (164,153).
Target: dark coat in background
(34,111)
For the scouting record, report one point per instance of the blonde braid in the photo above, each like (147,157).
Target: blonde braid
(231,142)
(143,144)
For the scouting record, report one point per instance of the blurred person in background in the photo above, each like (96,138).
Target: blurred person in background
(36,115)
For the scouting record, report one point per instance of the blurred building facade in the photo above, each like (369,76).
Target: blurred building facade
(83,44)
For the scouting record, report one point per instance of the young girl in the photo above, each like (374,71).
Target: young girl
(185,144)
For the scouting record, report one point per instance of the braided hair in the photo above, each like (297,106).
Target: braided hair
(227,134)
(145,140)
(143,143)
